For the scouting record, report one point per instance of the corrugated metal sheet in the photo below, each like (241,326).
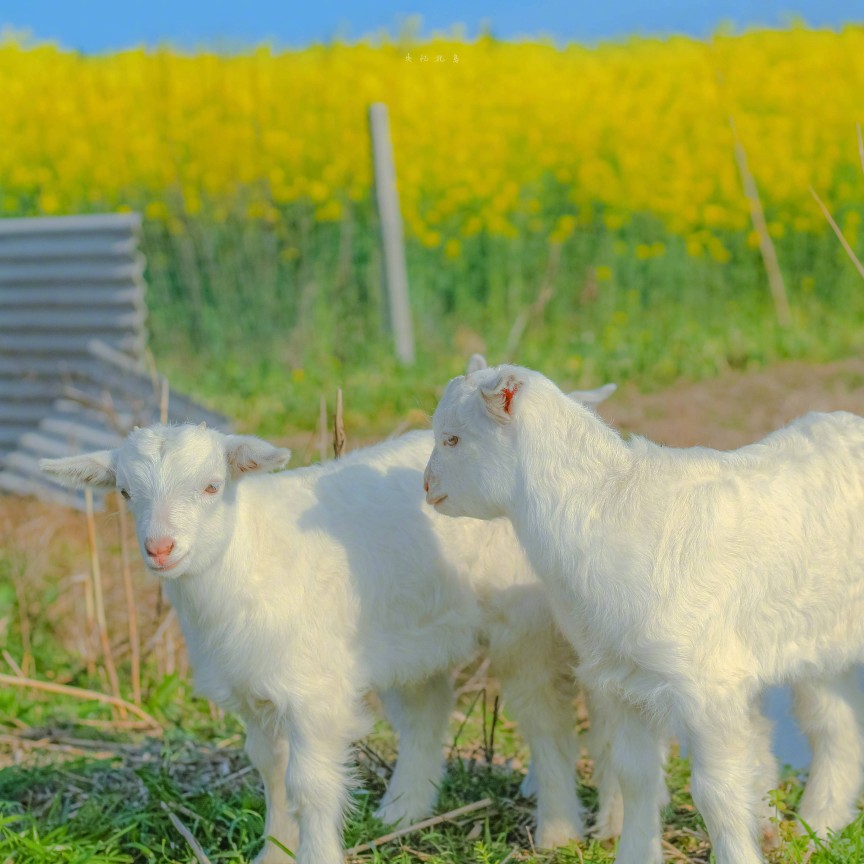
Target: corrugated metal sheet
(73,373)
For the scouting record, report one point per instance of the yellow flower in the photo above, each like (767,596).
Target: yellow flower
(514,130)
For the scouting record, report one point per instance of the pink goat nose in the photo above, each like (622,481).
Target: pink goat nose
(159,548)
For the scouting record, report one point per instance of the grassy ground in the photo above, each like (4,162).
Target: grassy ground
(80,782)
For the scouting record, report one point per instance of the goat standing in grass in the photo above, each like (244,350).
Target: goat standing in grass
(687,581)
(299,592)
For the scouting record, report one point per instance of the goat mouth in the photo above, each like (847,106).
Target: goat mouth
(164,568)
(436,501)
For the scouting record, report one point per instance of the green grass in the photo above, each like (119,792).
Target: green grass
(261,318)
(84,794)
(115,809)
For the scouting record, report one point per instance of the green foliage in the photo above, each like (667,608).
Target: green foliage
(262,318)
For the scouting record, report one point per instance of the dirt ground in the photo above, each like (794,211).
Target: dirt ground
(740,407)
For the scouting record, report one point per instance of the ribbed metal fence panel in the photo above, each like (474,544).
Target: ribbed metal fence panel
(55,276)
(73,363)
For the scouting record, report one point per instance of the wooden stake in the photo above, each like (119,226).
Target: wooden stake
(392,240)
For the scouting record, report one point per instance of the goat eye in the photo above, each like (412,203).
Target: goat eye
(212,489)
(452,441)
(125,494)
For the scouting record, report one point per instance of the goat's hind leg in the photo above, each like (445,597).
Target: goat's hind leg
(419,714)
(540,698)
(766,777)
(831,713)
(610,805)
(725,782)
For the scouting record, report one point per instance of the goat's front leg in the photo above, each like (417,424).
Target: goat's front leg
(317,780)
(419,714)
(268,752)
(636,755)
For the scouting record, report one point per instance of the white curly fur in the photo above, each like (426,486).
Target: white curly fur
(299,592)
(687,581)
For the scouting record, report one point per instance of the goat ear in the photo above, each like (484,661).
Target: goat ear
(500,399)
(475,363)
(246,453)
(593,397)
(90,469)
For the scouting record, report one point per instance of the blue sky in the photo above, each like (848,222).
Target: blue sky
(101,25)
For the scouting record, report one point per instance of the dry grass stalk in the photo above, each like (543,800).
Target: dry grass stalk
(10,660)
(164,396)
(338,428)
(129,592)
(89,602)
(170,652)
(836,228)
(104,404)
(671,851)
(114,725)
(159,633)
(479,679)
(194,845)
(860,144)
(544,294)
(82,693)
(27,661)
(766,246)
(322,430)
(43,744)
(99,599)
(420,826)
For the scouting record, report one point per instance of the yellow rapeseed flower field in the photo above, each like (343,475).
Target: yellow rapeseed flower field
(489,137)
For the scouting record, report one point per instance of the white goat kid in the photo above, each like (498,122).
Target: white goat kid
(687,581)
(301,591)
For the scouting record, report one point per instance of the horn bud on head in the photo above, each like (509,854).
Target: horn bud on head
(475,363)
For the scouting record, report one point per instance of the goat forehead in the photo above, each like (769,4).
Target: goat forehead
(163,461)
(464,397)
